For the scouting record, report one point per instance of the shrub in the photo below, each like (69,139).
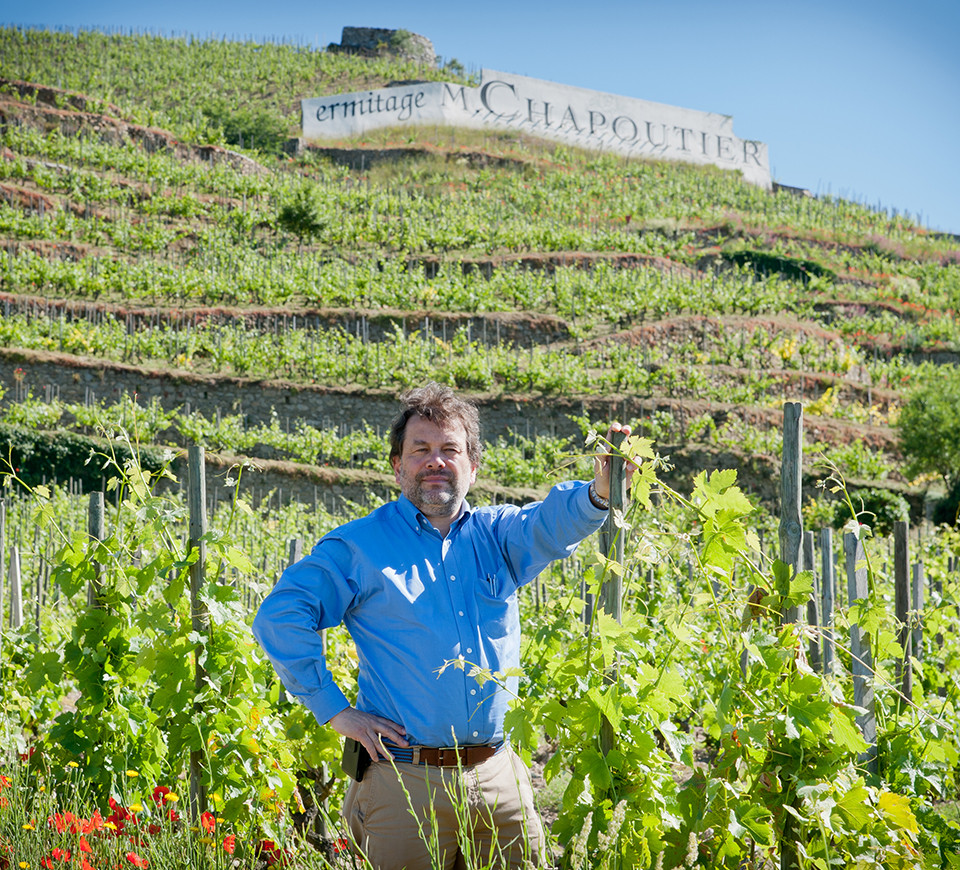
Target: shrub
(947,510)
(39,457)
(249,127)
(302,214)
(764,263)
(929,426)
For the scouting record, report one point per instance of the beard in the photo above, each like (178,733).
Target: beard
(435,500)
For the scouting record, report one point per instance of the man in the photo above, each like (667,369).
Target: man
(420,582)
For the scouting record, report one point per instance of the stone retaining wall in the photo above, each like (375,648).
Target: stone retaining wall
(75,380)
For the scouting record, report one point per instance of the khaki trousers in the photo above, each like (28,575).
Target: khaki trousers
(414,817)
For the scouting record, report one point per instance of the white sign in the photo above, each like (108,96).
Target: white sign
(588,119)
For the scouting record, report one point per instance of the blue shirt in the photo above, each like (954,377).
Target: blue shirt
(413,600)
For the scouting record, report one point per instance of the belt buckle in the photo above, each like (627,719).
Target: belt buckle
(416,754)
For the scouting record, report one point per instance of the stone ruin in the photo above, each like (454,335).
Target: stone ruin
(379,41)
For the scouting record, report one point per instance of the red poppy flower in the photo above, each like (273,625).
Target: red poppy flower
(58,821)
(271,853)
(208,821)
(94,823)
(229,843)
(136,860)
(159,793)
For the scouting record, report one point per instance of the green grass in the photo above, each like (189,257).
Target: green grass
(201,89)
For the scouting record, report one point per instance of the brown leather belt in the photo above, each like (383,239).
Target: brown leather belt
(446,756)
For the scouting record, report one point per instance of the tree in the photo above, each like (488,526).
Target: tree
(929,427)
(253,127)
(302,215)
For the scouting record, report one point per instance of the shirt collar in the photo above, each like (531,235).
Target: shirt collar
(417,521)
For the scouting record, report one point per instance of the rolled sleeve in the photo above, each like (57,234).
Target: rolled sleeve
(537,534)
(309,596)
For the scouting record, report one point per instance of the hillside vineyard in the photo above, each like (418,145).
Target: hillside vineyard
(208,312)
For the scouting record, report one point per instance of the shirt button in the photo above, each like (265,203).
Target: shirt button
(460,612)
(469,650)
(476,733)
(473,691)
(453,576)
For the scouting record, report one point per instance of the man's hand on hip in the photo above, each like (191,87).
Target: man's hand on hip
(369,730)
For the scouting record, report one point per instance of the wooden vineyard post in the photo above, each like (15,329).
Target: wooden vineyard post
(791,523)
(916,600)
(610,598)
(588,603)
(901,579)
(813,605)
(938,638)
(860,652)
(16,590)
(96,528)
(828,585)
(611,534)
(197,503)
(791,540)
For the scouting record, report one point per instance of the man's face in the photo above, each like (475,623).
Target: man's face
(433,468)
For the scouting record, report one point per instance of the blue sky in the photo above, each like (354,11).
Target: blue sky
(855,98)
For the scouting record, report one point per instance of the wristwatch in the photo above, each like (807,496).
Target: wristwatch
(597,500)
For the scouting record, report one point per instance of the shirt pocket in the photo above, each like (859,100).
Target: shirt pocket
(497,603)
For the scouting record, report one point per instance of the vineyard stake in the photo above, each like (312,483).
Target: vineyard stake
(860,652)
(611,534)
(813,605)
(791,539)
(611,545)
(938,598)
(791,523)
(96,528)
(16,592)
(197,500)
(828,585)
(901,579)
(917,608)
(587,603)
